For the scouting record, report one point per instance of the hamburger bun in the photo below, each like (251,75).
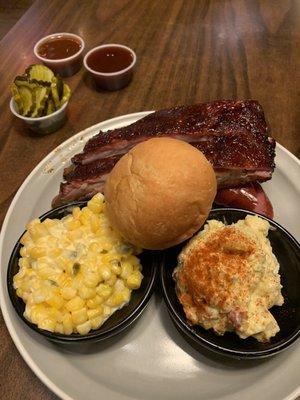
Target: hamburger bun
(160,193)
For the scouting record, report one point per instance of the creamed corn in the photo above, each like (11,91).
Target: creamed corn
(75,272)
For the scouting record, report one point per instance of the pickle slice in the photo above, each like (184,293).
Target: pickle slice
(54,94)
(66,94)
(17,98)
(60,86)
(40,74)
(28,100)
(50,107)
(41,97)
(24,81)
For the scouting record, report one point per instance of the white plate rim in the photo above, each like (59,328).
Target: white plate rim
(24,353)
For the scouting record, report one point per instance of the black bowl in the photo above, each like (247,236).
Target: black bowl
(287,251)
(115,324)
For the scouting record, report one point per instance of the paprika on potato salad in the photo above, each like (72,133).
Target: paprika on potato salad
(75,272)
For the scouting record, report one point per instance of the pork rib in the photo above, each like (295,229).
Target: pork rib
(233,135)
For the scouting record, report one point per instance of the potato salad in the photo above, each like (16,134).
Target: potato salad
(75,272)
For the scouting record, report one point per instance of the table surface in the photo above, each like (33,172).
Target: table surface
(188,51)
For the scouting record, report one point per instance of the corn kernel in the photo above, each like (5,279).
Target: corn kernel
(127,270)
(23,252)
(115,268)
(95,224)
(104,272)
(118,298)
(24,263)
(49,223)
(54,314)
(95,206)
(25,239)
(112,280)
(95,302)
(96,322)
(106,311)
(134,261)
(94,247)
(79,316)
(68,293)
(39,296)
(86,292)
(74,235)
(76,212)
(95,312)
(37,231)
(33,223)
(104,290)
(73,224)
(84,328)
(74,304)
(37,252)
(91,280)
(59,328)
(47,324)
(67,324)
(55,301)
(134,280)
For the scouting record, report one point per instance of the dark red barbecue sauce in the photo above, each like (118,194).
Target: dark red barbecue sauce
(109,59)
(59,48)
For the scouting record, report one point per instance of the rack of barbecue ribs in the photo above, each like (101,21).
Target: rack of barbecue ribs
(233,135)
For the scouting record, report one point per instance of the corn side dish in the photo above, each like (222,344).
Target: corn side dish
(75,272)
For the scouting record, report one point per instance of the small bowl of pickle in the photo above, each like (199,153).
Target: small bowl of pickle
(40,99)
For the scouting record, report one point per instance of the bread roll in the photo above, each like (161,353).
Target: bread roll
(160,193)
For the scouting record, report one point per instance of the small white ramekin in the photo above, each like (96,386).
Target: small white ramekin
(65,66)
(43,125)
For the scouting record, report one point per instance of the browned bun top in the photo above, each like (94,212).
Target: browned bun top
(160,193)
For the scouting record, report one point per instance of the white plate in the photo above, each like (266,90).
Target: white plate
(151,360)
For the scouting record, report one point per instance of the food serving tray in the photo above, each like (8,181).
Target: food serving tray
(150,360)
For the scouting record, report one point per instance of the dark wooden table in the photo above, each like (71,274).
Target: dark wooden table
(188,51)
